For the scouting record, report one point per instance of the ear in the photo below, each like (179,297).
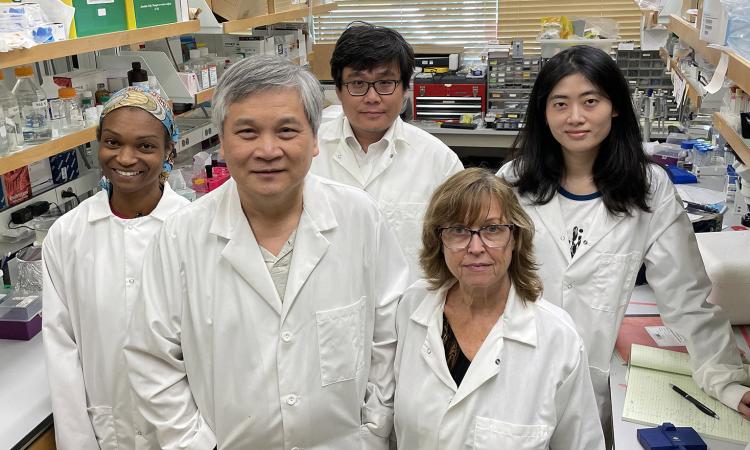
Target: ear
(338,93)
(615,113)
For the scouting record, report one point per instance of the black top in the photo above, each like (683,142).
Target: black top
(458,363)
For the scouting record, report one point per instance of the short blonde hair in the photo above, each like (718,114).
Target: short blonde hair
(463,198)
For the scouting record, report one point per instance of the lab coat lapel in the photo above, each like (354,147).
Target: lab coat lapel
(601,226)
(242,251)
(551,216)
(429,314)
(310,244)
(343,154)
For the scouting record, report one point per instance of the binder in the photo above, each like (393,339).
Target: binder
(99,16)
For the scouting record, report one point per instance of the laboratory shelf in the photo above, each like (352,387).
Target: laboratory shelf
(92,43)
(693,91)
(204,96)
(740,145)
(32,154)
(234,26)
(739,67)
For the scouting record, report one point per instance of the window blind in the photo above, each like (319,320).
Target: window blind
(468,24)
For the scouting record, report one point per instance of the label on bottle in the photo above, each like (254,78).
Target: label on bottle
(205,79)
(140,84)
(212,75)
(41,104)
(76,118)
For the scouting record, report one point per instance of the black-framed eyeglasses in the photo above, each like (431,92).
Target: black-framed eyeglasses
(358,88)
(496,235)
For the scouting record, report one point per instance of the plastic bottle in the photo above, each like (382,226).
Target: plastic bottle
(198,67)
(87,100)
(72,112)
(55,104)
(12,113)
(3,134)
(33,105)
(211,64)
(137,76)
(101,96)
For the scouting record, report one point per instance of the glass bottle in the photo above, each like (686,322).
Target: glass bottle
(102,94)
(72,113)
(33,105)
(12,113)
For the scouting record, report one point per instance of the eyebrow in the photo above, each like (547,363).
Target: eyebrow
(283,120)
(583,94)
(148,136)
(382,71)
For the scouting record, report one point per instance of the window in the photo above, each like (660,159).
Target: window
(464,24)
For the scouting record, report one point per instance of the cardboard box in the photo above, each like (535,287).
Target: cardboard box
(64,166)
(17,186)
(239,9)
(40,176)
(81,79)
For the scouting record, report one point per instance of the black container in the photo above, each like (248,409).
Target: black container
(137,76)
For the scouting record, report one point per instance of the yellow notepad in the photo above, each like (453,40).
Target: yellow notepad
(650,400)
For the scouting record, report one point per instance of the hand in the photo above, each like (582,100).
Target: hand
(744,406)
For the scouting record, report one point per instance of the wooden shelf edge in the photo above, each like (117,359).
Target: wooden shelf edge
(46,149)
(734,139)
(240,25)
(204,96)
(92,43)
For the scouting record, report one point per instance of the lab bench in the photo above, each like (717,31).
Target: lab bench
(25,407)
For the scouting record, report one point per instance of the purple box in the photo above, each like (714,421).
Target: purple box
(19,330)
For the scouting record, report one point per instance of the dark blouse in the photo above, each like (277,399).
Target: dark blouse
(458,363)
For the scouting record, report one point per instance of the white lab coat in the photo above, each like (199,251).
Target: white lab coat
(401,183)
(92,273)
(594,286)
(217,357)
(528,386)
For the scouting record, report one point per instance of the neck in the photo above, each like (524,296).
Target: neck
(272,215)
(578,177)
(367,138)
(135,204)
(483,301)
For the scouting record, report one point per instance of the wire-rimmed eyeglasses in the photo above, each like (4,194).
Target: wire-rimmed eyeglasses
(358,88)
(492,236)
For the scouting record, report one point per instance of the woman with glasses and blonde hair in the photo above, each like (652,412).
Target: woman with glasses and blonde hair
(483,362)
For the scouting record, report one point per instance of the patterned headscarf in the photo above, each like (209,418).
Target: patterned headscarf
(155,105)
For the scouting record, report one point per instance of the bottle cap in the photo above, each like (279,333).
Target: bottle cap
(66,92)
(23,71)
(136,65)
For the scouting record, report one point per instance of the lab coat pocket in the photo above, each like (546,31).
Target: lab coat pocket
(341,336)
(614,275)
(104,427)
(492,434)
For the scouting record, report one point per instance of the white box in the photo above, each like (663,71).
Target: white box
(40,174)
(551,47)
(714,22)
(725,257)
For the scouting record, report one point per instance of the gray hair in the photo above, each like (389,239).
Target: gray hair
(263,73)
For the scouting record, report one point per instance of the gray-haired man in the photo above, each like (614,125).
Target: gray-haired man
(267,319)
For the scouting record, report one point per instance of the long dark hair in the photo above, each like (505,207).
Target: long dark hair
(620,170)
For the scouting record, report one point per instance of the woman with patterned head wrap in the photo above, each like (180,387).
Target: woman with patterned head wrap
(92,269)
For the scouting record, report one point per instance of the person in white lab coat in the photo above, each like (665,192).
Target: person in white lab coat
(601,210)
(92,259)
(268,313)
(369,146)
(483,362)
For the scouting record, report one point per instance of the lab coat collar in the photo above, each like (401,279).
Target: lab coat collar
(100,208)
(243,253)
(518,317)
(518,323)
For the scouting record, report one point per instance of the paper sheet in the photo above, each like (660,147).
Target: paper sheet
(651,401)
(665,336)
(700,195)
(717,81)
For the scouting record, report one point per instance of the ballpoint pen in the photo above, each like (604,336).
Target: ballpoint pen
(704,409)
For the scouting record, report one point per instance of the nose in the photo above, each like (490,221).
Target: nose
(126,156)
(371,96)
(267,147)
(575,114)
(475,244)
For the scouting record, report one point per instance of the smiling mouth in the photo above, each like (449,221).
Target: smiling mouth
(128,173)
(264,171)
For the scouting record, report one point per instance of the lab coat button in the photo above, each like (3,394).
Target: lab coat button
(139,433)
(291,400)
(562,237)
(286,336)
(570,286)
(130,227)
(131,280)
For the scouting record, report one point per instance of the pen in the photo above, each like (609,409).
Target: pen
(704,409)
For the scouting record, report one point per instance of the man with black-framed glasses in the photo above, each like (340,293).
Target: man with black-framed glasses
(369,146)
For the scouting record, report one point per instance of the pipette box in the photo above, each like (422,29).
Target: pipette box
(20,316)
(667,436)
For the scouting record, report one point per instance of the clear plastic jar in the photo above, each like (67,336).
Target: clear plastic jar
(12,115)
(72,115)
